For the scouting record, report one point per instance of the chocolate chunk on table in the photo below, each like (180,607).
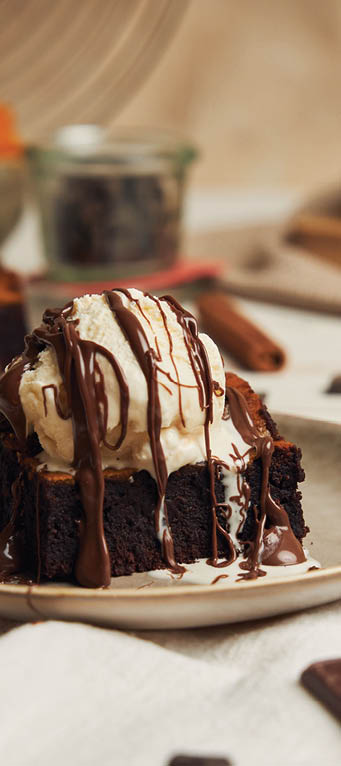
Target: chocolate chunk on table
(323,680)
(334,385)
(198,760)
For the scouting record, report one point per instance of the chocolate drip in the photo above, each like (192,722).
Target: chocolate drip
(146,357)
(93,562)
(220,577)
(170,343)
(198,357)
(86,404)
(242,500)
(102,398)
(251,564)
(176,382)
(288,550)
(57,403)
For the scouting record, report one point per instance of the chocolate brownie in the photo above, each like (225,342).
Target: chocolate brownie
(49,509)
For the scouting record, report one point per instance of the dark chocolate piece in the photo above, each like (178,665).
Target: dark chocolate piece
(323,680)
(334,385)
(198,760)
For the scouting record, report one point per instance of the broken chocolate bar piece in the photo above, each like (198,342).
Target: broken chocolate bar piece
(334,385)
(323,680)
(198,760)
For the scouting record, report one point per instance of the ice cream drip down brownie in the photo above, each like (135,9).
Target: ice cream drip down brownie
(126,447)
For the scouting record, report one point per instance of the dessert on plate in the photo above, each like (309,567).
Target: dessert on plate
(125,447)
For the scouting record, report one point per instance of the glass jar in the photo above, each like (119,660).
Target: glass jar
(110,208)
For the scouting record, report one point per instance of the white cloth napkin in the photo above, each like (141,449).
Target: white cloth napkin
(79,695)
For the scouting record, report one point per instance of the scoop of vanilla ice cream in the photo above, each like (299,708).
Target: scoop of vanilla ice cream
(182,443)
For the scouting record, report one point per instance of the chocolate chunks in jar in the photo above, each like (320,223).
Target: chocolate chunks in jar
(102,220)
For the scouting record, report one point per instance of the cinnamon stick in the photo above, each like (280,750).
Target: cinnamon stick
(238,335)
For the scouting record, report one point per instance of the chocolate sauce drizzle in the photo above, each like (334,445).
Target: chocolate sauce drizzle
(220,577)
(200,364)
(289,547)
(146,357)
(242,499)
(59,409)
(170,343)
(86,404)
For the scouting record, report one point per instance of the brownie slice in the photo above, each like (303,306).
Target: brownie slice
(50,510)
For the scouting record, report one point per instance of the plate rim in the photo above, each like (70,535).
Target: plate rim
(47,591)
(305,419)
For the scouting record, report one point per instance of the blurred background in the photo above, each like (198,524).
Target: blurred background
(185,145)
(255,84)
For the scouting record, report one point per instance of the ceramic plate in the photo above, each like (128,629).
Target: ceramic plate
(156,600)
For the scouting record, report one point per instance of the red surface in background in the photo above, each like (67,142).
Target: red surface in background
(183,272)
